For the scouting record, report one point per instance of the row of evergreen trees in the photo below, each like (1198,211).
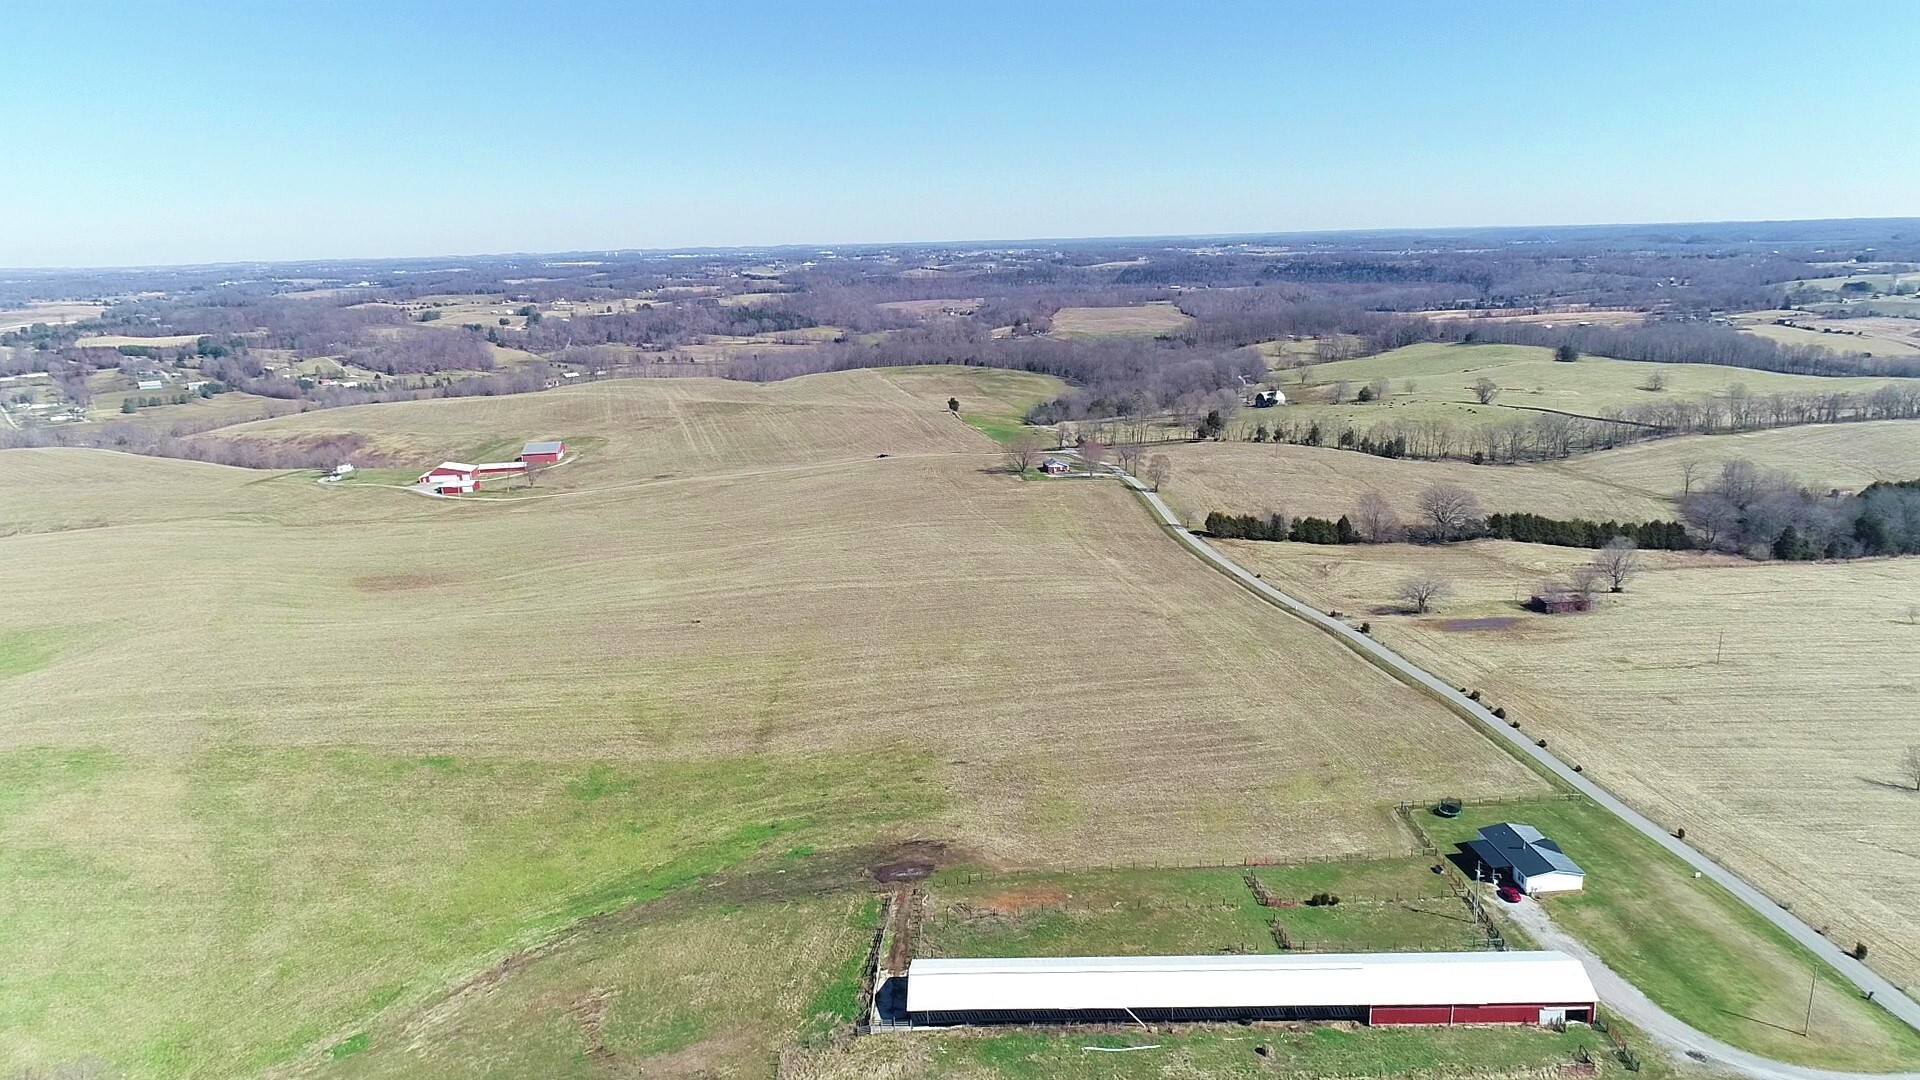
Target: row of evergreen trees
(1306,530)
(1581,533)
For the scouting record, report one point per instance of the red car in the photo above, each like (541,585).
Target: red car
(1510,894)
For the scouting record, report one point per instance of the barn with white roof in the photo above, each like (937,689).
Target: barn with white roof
(1371,988)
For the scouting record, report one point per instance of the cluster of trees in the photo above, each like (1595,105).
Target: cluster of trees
(1579,532)
(1302,530)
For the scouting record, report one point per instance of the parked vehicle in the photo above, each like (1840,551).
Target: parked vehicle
(1510,894)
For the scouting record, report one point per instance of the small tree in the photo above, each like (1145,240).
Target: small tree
(1690,475)
(1617,562)
(127,405)
(1375,519)
(1129,455)
(1093,454)
(1212,425)
(1655,381)
(1159,471)
(1421,592)
(1566,353)
(1485,390)
(1380,389)
(1584,582)
(953,405)
(1024,451)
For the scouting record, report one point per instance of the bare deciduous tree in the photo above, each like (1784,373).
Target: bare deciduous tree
(1093,454)
(1375,519)
(1449,508)
(1617,562)
(1129,455)
(1422,592)
(1584,582)
(1655,381)
(1024,451)
(1485,390)
(1690,475)
(1159,470)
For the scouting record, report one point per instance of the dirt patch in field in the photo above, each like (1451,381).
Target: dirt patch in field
(915,860)
(1501,622)
(386,583)
(1015,901)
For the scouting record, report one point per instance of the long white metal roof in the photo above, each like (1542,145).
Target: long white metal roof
(1134,982)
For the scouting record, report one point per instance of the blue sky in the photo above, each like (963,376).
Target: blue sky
(180,132)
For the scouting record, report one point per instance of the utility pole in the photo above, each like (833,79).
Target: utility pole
(1806,1028)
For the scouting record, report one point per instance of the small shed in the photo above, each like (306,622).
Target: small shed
(1533,863)
(1267,399)
(543,453)
(1054,466)
(1560,603)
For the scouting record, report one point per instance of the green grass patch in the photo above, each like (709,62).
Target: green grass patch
(1697,951)
(243,906)
(1001,429)
(1310,1052)
(349,1046)
(837,1002)
(1387,904)
(22,651)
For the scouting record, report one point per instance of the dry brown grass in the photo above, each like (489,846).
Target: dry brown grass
(1877,335)
(1635,482)
(51,313)
(1763,707)
(1572,317)
(1144,319)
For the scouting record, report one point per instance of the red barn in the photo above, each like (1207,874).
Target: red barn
(543,453)
(450,478)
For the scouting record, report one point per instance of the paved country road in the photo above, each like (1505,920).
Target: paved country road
(1625,1000)
(1884,992)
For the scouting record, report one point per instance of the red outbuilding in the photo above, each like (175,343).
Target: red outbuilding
(450,478)
(543,453)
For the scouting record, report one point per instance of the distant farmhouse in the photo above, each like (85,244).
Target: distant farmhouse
(1054,466)
(461,478)
(1533,863)
(1267,399)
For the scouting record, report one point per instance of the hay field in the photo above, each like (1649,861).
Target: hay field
(639,430)
(1634,482)
(299,759)
(53,313)
(1881,336)
(1576,317)
(115,341)
(1435,382)
(1142,319)
(1764,707)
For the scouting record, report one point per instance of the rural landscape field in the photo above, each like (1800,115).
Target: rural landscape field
(865,542)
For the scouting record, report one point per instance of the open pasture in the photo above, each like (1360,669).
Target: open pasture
(301,759)
(1763,707)
(53,313)
(117,341)
(1435,382)
(1567,318)
(1146,320)
(639,430)
(1879,335)
(1636,482)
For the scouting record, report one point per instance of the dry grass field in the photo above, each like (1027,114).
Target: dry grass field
(53,313)
(1880,336)
(1765,708)
(1143,319)
(1435,382)
(300,759)
(115,341)
(1634,482)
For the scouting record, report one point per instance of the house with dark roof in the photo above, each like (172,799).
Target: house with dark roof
(1533,863)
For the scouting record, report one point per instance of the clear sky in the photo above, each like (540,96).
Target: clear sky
(160,132)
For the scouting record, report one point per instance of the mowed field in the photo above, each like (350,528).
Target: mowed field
(1142,319)
(1763,707)
(1637,482)
(1879,335)
(288,766)
(1435,383)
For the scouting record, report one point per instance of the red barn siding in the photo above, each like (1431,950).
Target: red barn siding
(1386,1015)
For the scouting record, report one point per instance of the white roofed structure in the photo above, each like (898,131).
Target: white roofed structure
(1488,987)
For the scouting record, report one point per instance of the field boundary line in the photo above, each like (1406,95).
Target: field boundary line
(1877,987)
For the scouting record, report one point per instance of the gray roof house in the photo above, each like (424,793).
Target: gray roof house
(1530,860)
